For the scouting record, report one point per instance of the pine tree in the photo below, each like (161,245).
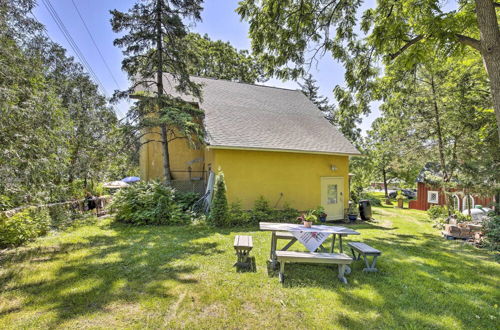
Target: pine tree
(154,45)
(219,209)
(310,89)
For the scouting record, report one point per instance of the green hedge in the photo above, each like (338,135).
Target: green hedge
(261,211)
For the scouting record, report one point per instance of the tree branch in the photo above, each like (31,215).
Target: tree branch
(406,46)
(496,4)
(474,43)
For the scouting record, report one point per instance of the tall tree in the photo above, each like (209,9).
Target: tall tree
(54,125)
(152,46)
(220,60)
(397,32)
(444,109)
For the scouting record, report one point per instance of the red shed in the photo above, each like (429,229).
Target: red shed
(429,195)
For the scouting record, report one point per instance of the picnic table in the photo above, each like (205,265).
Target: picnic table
(303,234)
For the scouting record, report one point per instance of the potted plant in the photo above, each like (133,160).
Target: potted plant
(353,211)
(308,219)
(319,212)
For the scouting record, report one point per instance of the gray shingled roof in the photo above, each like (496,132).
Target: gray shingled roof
(239,115)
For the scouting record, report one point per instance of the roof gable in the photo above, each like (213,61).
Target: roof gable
(246,116)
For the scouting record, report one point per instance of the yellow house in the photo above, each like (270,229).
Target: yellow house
(268,141)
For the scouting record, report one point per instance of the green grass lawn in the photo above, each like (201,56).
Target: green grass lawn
(111,275)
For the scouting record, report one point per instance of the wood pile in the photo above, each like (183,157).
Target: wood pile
(463,231)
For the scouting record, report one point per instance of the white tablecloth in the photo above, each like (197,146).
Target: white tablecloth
(310,239)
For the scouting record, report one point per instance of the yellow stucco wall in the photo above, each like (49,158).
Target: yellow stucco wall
(151,158)
(295,177)
(278,176)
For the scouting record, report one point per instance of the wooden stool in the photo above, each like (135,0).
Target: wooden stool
(243,245)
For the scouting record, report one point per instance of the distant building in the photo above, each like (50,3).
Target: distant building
(429,193)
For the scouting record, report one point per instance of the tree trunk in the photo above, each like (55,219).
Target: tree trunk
(384,175)
(159,85)
(439,133)
(490,49)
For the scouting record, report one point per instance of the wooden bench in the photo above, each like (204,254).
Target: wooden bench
(313,257)
(243,245)
(365,250)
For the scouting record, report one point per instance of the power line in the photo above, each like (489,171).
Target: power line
(95,44)
(72,43)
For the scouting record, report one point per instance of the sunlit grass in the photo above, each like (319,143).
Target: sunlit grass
(112,276)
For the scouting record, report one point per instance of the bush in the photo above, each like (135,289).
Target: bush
(374,201)
(219,209)
(237,216)
(261,211)
(148,203)
(186,200)
(61,215)
(492,232)
(286,214)
(436,211)
(23,226)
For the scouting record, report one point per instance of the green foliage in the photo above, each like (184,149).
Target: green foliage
(148,203)
(437,211)
(186,199)
(23,226)
(353,208)
(399,34)
(287,214)
(309,216)
(261,210)
(492,233)
(220,60)
(152,38)
(374,201)
(237,216)
(55,126)
(219,208)
(310,89)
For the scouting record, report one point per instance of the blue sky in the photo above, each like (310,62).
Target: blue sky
(219,21)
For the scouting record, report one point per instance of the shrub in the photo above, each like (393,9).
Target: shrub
(61,215)
(374,201)
(262,211)
(23,226)
(437,211)
(237,216)
(219,209)
(491,228)
(186,200)
(286,214)
(148,203)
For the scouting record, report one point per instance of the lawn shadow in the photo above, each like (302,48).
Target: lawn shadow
(249,266)
(120,266)
(433,276)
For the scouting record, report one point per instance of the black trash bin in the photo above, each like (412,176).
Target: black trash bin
(365,209)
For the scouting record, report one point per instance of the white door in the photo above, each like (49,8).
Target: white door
(332,197)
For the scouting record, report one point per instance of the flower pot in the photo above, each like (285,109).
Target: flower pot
(352,217)
(308,224)
(322,218)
